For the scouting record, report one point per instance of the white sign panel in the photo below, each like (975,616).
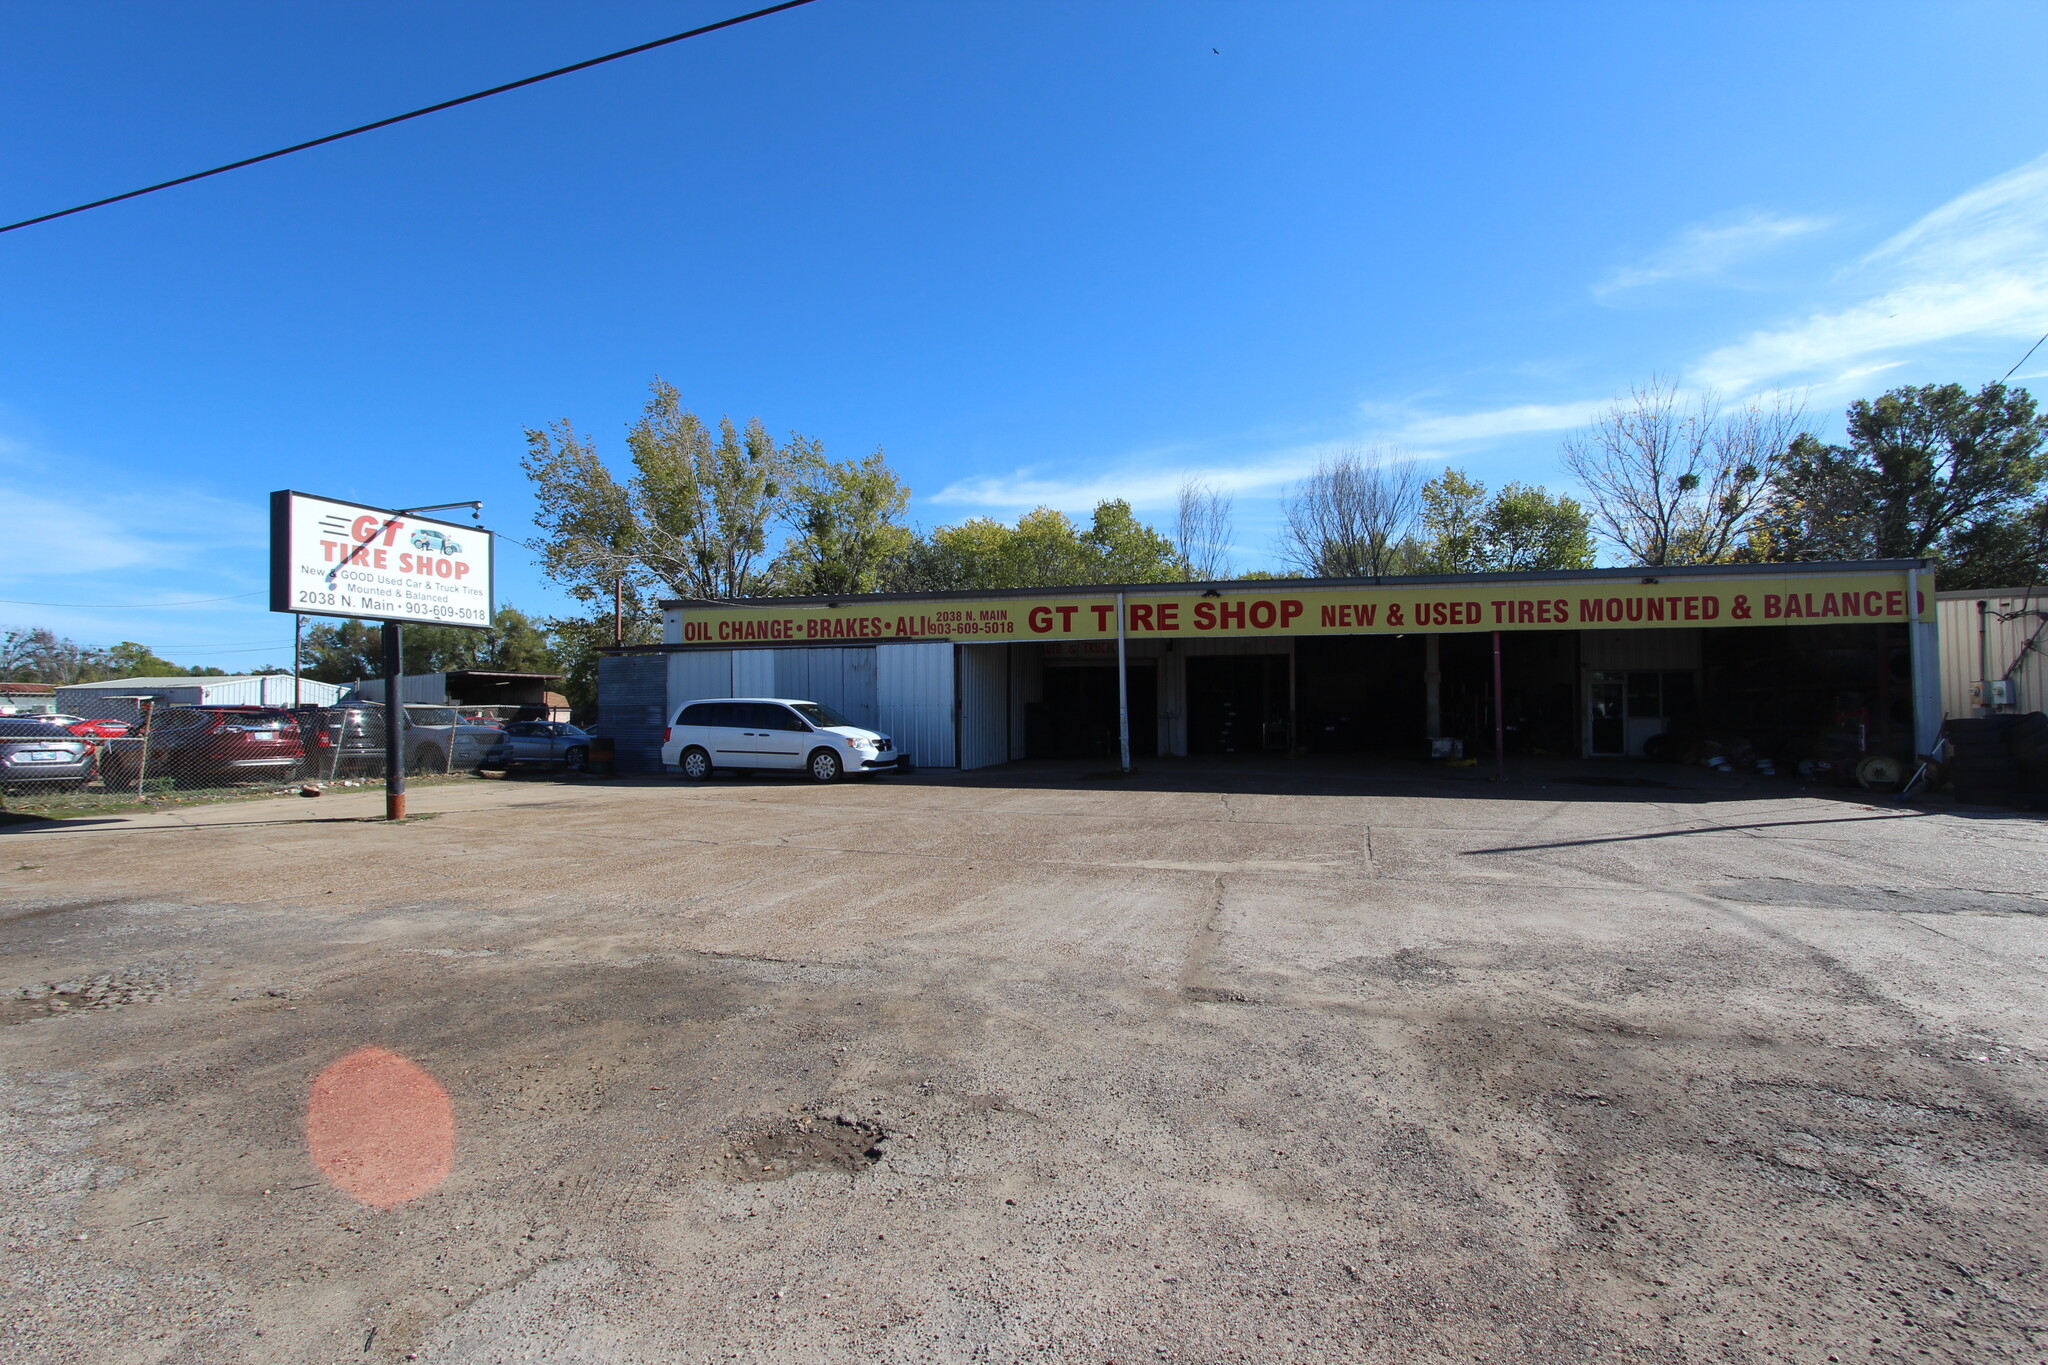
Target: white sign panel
(331,558)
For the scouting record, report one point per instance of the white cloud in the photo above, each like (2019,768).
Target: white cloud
(1494,423)
(104,532)
(1975,268)
(1138,484)
(1707,249)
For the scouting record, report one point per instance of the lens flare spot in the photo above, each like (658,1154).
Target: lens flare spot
(380,1128)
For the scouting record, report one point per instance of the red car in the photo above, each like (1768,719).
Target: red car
(209,746)
(91,729)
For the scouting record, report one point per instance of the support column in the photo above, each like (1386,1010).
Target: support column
(1123,690)
(1500,719)
(394,725)
(1924,660)
(1433,684)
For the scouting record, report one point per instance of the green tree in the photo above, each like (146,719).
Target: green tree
(40,655)
(704,507)
(1044,549)
(1525,529)
(1122,549)
(1819,508)
(2009,551)
(1520,528)
(1451,509)
(590,530)
(1933,472)
(349,651)
(847,520)
(1941,460)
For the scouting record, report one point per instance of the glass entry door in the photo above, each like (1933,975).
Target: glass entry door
(1606,706)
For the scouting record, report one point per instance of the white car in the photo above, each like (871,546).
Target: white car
(774,734)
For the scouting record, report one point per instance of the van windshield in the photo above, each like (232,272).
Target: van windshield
(819,715)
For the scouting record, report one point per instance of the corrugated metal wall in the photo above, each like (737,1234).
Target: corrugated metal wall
(753,672)
(696,673)
(277,691)
(841,678)
(2012,644)
(633,692)
(98,704)
(984,705)
(420,689)
(914,689)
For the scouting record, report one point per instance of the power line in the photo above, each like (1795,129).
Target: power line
(129,606)
(2025,358)
(401,118)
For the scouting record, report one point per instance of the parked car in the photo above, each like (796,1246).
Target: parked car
(540,743)
(208,746)
(427,538)
(83,725)
(36,755)
(743,734)
(348,741)
(438,739)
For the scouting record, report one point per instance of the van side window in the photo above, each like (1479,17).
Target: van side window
(703,713)
(769,717)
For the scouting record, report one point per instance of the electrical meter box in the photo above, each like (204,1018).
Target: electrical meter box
(1992,692)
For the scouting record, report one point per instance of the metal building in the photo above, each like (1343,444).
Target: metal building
(1994,651)
(116,698)
(1782,658)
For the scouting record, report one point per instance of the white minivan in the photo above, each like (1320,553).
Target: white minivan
(741,734)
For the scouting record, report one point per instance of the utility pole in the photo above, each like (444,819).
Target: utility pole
(394,725)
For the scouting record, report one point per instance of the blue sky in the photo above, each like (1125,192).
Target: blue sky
(1038,252)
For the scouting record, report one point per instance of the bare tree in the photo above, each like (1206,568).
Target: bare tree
(1201,530)
(1349,518)
(1673,481)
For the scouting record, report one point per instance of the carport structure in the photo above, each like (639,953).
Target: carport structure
(1791,660)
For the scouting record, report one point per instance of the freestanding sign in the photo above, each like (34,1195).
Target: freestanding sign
(330,558)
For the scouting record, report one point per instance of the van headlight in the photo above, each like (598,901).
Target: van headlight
(856,742)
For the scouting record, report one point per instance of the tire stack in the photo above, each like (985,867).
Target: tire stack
(2027,738)
(1999,760)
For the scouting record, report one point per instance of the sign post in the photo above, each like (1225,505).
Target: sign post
(333,558)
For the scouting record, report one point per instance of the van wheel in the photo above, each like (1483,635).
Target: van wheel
(696,765)
(825,766)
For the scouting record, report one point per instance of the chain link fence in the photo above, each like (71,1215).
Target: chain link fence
(177,754)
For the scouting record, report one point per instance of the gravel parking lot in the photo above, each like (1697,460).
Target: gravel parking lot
(1224,1065)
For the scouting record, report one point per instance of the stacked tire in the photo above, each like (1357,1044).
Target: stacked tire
(1999,760)
(2027,738)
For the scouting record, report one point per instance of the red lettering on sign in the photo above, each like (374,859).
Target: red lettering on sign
(1289,609)
(1040,620)
(1230,614)
(1263,615)
(1141,616)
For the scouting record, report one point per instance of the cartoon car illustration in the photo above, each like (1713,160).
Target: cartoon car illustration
(427,538)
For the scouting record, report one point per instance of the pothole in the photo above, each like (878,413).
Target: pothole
(106,991)
(806,1142)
